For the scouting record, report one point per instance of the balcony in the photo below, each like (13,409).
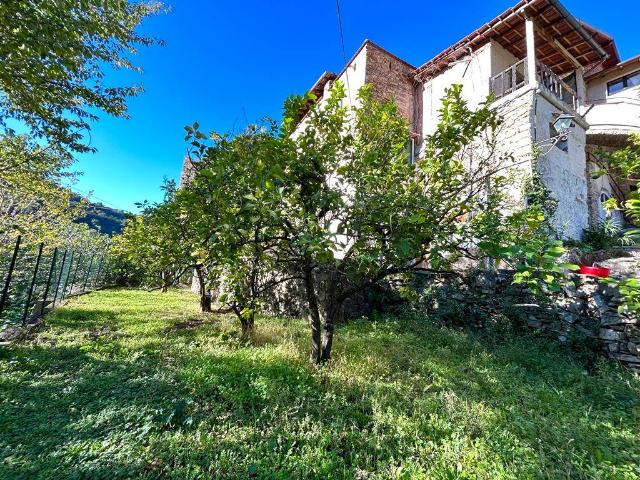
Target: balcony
(614,117)
(515,77)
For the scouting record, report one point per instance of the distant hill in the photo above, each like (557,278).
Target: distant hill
(105,219)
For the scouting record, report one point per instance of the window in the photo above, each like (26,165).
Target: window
(605,213)
(628,81)
(562,143)
(411,151)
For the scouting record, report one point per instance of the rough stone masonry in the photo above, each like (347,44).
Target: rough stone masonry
(590,309)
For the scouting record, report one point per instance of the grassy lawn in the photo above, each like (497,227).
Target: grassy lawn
(127,384)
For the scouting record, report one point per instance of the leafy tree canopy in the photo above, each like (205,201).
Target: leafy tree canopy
(335,202)
(54,56)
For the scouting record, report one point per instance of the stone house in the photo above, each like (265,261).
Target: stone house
(539,62)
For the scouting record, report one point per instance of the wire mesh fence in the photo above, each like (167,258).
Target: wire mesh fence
(36,279)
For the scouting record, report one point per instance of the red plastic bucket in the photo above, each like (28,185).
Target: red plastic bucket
(601,272)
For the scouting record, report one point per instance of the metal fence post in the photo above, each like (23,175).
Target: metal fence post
(86,276)
(66,280)
(7,283)
(33,284)
(64,259)
(46,290)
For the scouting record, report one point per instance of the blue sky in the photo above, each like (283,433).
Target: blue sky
(226,64)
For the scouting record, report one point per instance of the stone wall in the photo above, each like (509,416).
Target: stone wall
(596,147)
(591,309)
(391,79)
(514,137)
(589,313)
(584,315)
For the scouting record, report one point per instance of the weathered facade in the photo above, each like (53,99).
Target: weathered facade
(538,62)
(535,62)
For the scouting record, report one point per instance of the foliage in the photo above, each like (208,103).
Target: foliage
(335,202)
(231,206)
(78,261)
(605,236)
(624,165)
(107,220)
(538,195)
(527,242)
(35,206)
(370,214)
(54,59)
(32,202)
(128,384)
(151,250)
(630,289)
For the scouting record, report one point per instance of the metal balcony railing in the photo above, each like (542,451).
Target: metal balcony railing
(515,77)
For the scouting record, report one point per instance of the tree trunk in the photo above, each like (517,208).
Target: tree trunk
(205,302)
(332,315)
(163,280)
(247,323)
(314,316)
(205,295)
(247,327)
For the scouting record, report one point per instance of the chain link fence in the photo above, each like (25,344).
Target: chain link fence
(34,280)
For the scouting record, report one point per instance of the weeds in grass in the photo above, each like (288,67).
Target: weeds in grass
(128,384)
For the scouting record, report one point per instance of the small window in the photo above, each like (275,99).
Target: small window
(411,151)
(562,143)
(603,213)
(632,80)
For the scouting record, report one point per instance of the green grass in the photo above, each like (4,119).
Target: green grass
(144,398)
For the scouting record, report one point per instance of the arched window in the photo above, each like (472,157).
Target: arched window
(615,215)
(602,211)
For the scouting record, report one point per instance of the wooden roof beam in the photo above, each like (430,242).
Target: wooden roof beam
(558,46)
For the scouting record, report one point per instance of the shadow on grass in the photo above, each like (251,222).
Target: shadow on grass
(505,387)
(65,411)
(82,319)
(402,399)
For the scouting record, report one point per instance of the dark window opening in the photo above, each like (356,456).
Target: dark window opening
(628,81)
(572,81)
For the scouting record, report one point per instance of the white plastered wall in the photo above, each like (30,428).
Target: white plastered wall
(564,173)
(618,113)
(352,78)
(515,135)
(472,72)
